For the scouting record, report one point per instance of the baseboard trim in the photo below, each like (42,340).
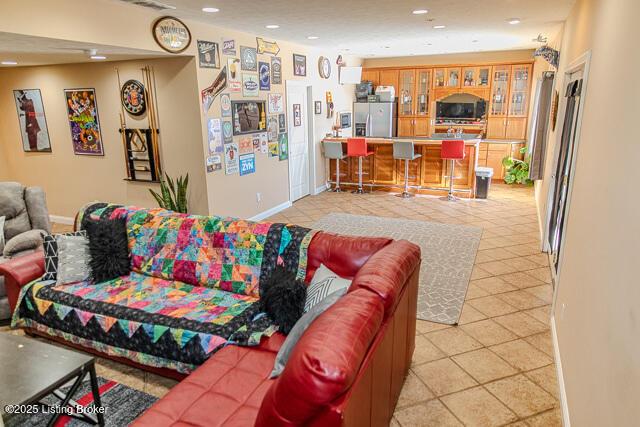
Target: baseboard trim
(566,421)
(274,210)
(322,188)
(61,219)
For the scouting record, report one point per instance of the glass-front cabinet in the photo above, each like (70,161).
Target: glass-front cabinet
(453,77)
(407,83)
(423,78)
(438,77)
(500,90)
(519,92)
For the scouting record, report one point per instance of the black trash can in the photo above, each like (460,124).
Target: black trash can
(483,181)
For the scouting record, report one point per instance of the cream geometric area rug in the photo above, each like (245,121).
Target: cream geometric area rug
(448,254)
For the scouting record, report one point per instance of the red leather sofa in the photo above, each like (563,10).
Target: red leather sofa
(347,369)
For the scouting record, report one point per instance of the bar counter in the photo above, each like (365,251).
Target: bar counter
(427,174)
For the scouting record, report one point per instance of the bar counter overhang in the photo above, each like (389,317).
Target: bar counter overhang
(428,174)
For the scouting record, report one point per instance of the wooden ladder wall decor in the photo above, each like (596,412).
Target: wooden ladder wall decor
(141,145)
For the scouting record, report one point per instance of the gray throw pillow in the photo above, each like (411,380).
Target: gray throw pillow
(301,325)
(73,259)
(28,240)
(324,282)
(1,234)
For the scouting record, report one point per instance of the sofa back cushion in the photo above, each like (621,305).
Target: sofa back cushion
(325,362)
(14,209)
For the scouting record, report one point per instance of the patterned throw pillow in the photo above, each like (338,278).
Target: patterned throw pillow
(51,254)
(73,259)
(324,282)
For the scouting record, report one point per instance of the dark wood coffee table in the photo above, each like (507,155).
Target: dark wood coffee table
(31,369)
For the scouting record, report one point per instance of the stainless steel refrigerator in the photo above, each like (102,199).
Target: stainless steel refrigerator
(375,119)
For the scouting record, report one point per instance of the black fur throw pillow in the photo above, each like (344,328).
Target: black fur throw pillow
(109,249)
(283,298)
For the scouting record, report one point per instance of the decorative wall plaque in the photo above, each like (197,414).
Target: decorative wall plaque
(171,34)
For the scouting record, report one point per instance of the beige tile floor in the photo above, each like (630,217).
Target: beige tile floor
(496,367)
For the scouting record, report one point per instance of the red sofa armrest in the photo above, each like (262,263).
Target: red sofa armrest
(20,271)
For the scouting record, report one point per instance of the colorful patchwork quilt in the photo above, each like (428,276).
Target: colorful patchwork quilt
(194,288)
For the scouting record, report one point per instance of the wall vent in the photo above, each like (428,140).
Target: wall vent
(151,4)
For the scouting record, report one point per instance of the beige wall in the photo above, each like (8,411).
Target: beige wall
(71,180)
(455,58)
(226,195)
(597,307)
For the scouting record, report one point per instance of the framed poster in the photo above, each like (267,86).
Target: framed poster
(247,164)
(276,103)
(208,54)
(299,65)
(248,117)
(276,70)
(297,115)
(283,146)
(233,75)
(171,34)
(229,47)
(227,132)
(231,158)
(214,132)
(317,106)
(249,85)
(255,142)
(225,105)
(248,58)
(33,123)
(272,128)
(264,75)
(282,123)
(82,111)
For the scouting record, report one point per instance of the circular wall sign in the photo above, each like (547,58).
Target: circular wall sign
(133,97)
(324,67)
(171,34)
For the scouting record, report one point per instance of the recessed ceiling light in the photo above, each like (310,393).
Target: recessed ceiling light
(313,37)
(272,26)
(514,21)
(474,41)
(9,63)
(210,9)
(420,11)
(439,27)
(98,57)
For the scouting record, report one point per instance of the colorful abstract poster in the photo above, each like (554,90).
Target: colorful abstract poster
(249,85)
(82,111)
(247,164)
(264,75)
(282,123)
(233,75)
(273,149)
(229,47)
(276,103)
(231,156)
(245,145)
(264,143)
(227,132)
(214,131)
(255,142)
(33,123)
(272,128)
(208,54)
(283,146)
(225,105)
(276,70)
(214,163)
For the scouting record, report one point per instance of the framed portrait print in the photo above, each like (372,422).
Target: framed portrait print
(317,106)
(299,65)
(33,123)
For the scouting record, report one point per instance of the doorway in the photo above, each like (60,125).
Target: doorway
(299,136)
(565,159)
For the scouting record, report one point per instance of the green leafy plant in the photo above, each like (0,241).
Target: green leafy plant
(173,195)
(517,171)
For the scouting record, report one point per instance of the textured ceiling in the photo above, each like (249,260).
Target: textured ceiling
(30,50)
(387,27)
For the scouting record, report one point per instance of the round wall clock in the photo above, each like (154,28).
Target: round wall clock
(324,67)
(133,97)
(171,34)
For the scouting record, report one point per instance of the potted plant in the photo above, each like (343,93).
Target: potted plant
(173,195)
(517,171)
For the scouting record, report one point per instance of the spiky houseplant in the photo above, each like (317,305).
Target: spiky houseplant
(517,171)
(173,195)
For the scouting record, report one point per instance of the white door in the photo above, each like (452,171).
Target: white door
(298,140)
